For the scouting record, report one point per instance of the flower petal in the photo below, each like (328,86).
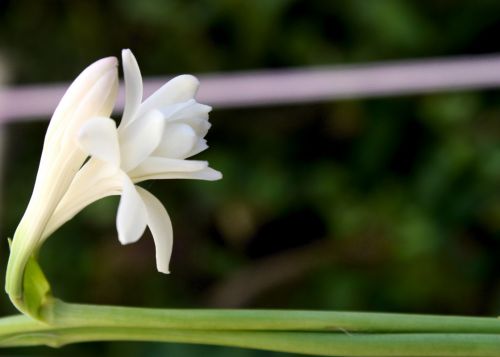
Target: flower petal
(97,101)
(99,138)
(95,97)
(77,90)
(133,87)
(207,174)
(191,113)
(178,140)
(92,94)
(131,219)
(95,180)
(200,146)
(161,229)
(192,109)
(178,89)
(199,124)
(173,110)
(140,139)
(157,165)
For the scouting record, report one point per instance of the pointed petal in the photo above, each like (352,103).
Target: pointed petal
(61,156)
(207,174)
(173,110)
(177,141)
(133,87)
(191,113)
(77,90)
(99,138)
(97,101)
(131,219)
(178,89)
(156,165)
(140,139)
(199,124)
(194,109)
(161,229)
(200,146)
(92,94)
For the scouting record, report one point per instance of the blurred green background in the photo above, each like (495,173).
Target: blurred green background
(367,205)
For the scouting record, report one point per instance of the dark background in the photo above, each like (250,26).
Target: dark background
(367,205)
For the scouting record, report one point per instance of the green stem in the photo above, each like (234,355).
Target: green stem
(310,332)
(29,332)
(61,313)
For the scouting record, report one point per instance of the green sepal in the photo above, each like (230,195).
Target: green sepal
(36,289)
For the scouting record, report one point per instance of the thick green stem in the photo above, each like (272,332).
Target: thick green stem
(60,313)
(309,332)
(23,331)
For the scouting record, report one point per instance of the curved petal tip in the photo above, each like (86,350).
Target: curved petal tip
(105,63)
(127,55)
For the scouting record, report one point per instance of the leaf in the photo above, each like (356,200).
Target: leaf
(36,288)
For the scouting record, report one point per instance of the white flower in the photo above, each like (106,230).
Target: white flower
(153,140)
(92,94)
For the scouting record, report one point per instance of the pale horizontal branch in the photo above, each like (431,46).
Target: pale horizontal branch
(289,86)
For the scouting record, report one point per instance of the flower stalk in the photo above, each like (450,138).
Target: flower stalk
(325,333)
